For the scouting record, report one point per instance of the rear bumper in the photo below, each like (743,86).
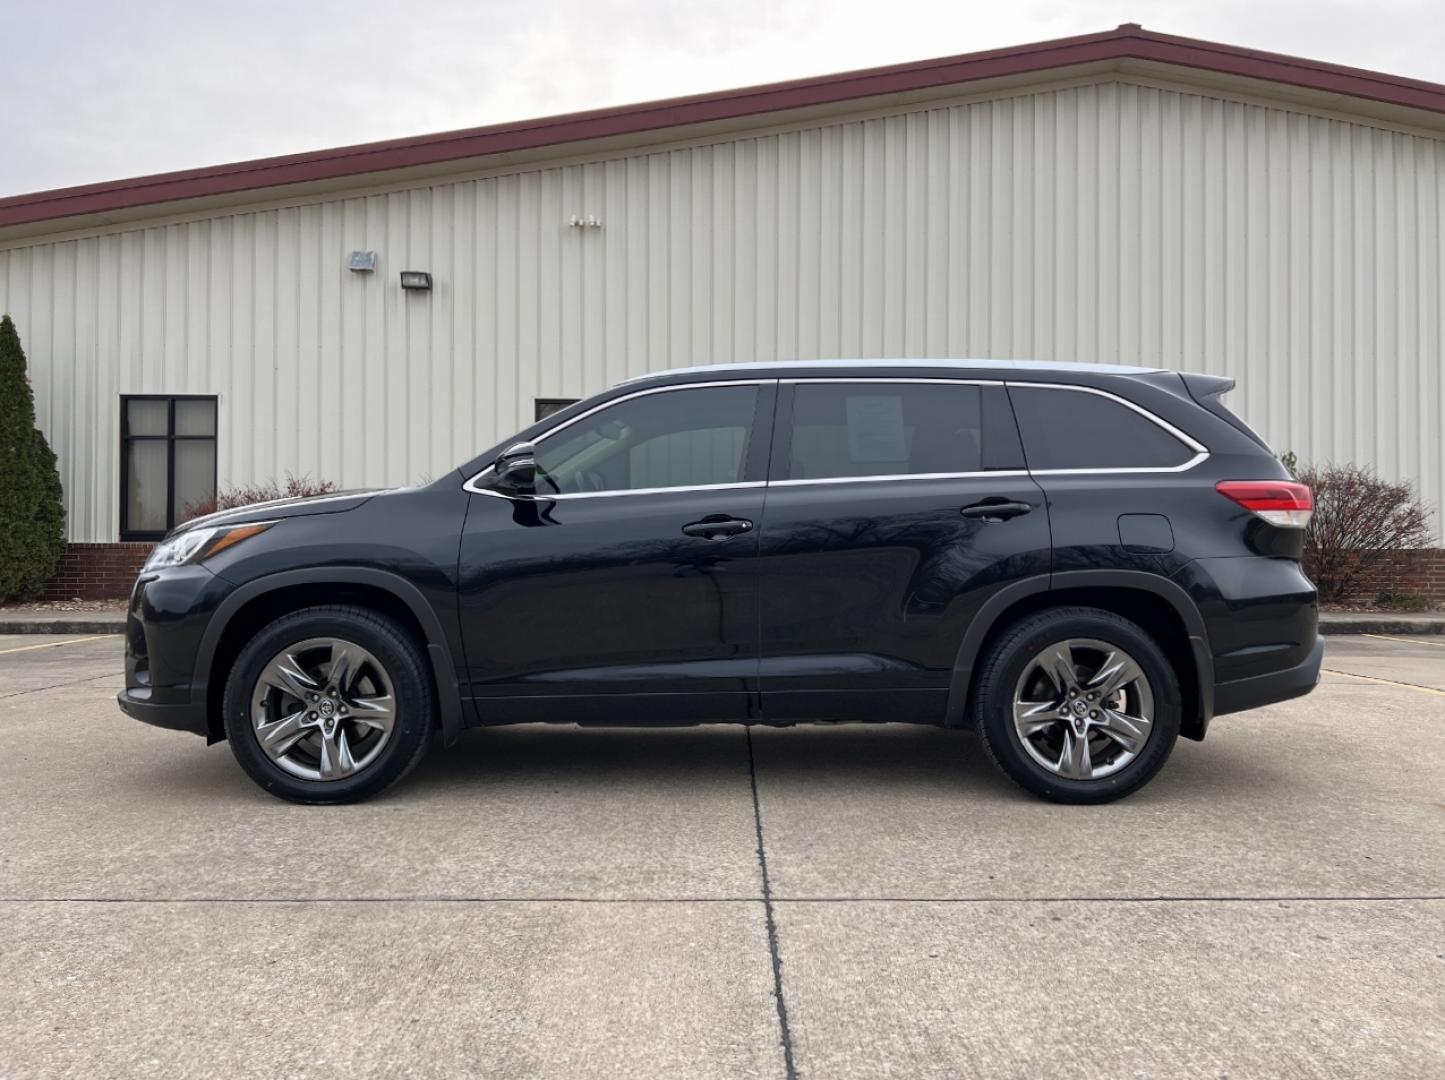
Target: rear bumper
(136,703)
(1240,694)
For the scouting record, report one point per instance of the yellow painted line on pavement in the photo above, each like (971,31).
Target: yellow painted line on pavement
(1411,640)
(1386,682)
(54,644)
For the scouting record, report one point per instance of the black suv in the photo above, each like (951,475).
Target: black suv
(1081,562)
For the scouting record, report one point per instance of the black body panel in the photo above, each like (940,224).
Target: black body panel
(590,603)
(869,588)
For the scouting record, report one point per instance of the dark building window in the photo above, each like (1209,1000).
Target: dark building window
(167,461)
(546,406)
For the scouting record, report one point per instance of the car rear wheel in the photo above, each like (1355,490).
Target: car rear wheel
(1078,705)
(328,705)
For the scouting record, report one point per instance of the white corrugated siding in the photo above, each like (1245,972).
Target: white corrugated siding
(1108,222)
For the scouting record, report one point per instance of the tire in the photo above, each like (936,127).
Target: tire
(1100,766)
(329,743)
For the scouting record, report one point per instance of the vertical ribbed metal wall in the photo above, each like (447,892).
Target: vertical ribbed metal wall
(1108,222)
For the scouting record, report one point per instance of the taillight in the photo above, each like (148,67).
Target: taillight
(1280,502)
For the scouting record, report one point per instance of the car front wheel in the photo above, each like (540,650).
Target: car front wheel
(1078,705)
(328,705)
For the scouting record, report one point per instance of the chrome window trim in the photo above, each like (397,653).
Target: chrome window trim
(1201,452)
(898,476)
(471,484)
(888,380)
(614,494)
(1125,470)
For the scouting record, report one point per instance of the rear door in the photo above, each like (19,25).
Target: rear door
(895,509)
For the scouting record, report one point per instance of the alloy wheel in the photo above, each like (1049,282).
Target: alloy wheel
(323,709)
(1083,709)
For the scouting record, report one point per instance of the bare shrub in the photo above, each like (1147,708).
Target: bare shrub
(229,498)
(1366,533)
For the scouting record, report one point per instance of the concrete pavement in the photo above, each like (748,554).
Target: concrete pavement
(565,902)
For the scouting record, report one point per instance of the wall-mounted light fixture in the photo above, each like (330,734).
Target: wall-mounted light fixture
(415,279)
(361,262)
(588,222)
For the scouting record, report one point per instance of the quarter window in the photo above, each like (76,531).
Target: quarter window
(168,461)
(885,429)
(1074,429)
(678,438)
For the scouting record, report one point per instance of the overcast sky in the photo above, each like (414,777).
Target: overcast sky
(103,89)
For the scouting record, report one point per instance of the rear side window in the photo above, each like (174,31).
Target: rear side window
(861,429)
(1074,429)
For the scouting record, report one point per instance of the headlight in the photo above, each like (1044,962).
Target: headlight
(197,544)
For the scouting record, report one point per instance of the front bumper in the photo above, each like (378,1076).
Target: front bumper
(1240,694)
(136,703)
(168,615)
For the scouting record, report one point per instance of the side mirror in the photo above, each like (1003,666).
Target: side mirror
(516,469)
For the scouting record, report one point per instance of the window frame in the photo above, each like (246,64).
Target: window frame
(783,437)
(1201,452)
(170,438)
(755,453)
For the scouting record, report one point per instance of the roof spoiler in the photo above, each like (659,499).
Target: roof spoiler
(1207,390)
(1202,387)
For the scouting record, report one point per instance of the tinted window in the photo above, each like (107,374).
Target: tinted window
(1071,429)
(681,438)
(884,429)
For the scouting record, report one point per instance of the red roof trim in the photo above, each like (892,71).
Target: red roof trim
(1127,42)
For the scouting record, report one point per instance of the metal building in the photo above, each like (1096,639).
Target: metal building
(1124,196)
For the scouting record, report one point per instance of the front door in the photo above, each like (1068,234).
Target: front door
(624,590)
(895,509)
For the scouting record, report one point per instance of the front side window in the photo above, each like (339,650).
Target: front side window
(861,429)
(679,438)
(168,461)
(1075,429)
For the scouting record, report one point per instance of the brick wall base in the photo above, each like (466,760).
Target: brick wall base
(107,571)
(1429,579)
(96,571)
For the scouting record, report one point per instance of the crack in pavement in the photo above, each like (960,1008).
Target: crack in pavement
(61,685)
(789,1066)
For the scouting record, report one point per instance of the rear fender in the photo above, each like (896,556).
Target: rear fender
(1000,609)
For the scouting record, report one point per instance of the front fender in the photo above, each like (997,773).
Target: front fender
(439,649)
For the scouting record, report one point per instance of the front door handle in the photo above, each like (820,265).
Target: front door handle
(717,527)
(1000,510)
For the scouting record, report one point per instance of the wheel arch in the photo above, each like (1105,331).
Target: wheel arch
(265,599)
(1157,604)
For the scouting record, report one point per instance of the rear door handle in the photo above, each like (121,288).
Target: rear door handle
(717,527)
(996,511)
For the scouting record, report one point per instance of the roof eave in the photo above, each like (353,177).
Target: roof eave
(1128,48)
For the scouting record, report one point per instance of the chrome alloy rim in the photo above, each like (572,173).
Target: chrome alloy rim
(1083,709)
(323,709)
